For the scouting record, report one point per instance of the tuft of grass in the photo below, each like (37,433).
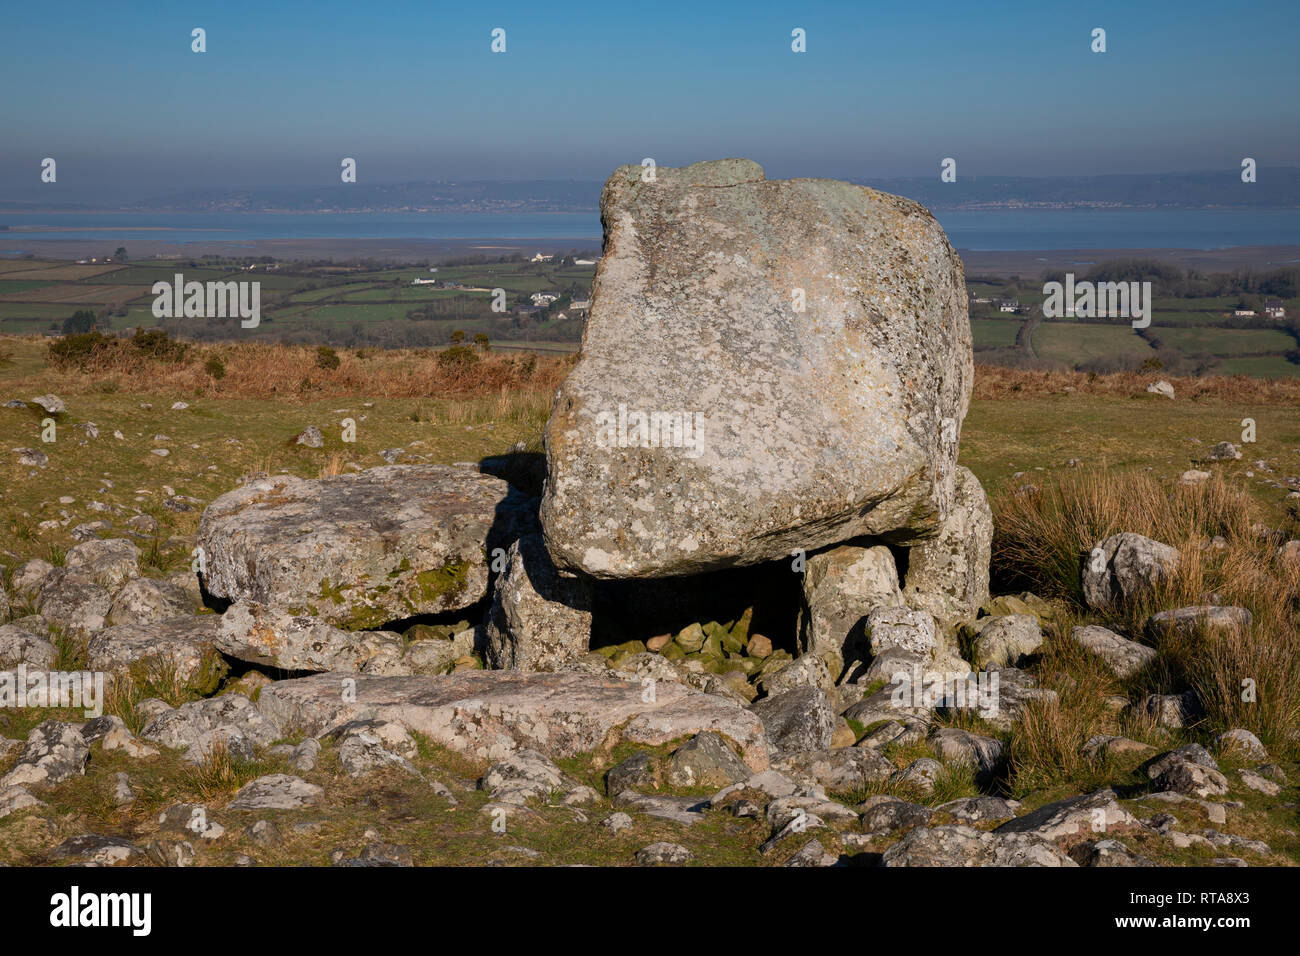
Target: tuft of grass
(70,649)
(1248,678)
(219,773)
(333,466)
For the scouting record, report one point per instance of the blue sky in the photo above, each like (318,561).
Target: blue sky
(412,91)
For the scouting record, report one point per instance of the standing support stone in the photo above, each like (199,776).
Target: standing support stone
(538,619)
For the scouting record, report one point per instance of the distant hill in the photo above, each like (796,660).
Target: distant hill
(1276,188)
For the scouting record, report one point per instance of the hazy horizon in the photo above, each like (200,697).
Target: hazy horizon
(415,94)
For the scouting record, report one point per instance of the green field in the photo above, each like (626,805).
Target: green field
(1268,366)
(1226,341)
(1076,342)
(345,305)
(995,333)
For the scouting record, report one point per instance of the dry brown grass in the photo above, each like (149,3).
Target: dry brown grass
(258,370)
(996,382)
(1042,538)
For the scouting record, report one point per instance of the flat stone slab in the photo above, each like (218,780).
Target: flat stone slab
(363,549)
(490,714)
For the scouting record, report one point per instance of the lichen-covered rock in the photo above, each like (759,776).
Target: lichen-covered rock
(489,714)
(146,601)
(1172,711)
(73,600)
(272,637)
(30,577)
(949,575)
(360,550)
(180,648)
(705,760)
(955,746)
(54,752)
(1121,655)
(963,846)
(276,791)
(842,769)
(901,628)
(539,619)
(1096,812)
(840,587)
(1125,566)
(229,720)
(1188,620)
(1237,740)
(18,645)
(111,562)
(699,330)
(1004,641)
(799,719)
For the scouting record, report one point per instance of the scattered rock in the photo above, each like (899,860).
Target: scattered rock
(180,648)
(800,719)
(1097,812)
(52,404)
(20,646)
(657,853)
(93,849)
(1188,620)
(277,791)
(962,846)
(15,798)
(1107,853)
(705,761)
(148,601)
(889,816)
(1006,641)
(1121,655)
(54,752)
(1123,567)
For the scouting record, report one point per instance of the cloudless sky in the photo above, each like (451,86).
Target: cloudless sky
(412,91)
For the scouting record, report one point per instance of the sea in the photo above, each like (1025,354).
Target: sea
(994,229)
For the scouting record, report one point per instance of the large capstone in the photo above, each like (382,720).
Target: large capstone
(364,549)
(768,366)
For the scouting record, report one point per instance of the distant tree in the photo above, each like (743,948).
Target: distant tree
(457,336)
(483,342)
(120,253)
(79,322)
